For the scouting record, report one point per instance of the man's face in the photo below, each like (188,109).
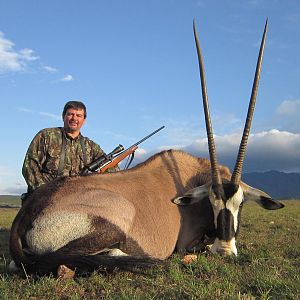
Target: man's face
(73,120)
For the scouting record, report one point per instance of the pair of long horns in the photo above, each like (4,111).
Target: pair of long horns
(237,173)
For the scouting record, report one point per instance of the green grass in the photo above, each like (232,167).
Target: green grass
(267,267)
(10,200)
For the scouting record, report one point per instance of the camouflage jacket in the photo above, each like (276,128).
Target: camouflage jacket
(42,162)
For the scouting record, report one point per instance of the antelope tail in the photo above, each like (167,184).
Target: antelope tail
(49,263)
(15,244)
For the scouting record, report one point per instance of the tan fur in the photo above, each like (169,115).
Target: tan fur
(137,201)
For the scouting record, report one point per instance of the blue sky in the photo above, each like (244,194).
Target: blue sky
(134,64)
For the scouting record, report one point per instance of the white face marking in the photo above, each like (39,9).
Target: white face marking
(53,231)
(224,247)
(217,204)
(233,204)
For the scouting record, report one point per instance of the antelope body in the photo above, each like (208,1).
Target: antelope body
(173,201)
(130,210)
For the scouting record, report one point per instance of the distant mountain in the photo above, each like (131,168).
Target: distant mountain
(277,184)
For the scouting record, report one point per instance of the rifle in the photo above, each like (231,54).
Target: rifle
(111,159)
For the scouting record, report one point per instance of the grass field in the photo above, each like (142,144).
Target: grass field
(267,267)
(9,200)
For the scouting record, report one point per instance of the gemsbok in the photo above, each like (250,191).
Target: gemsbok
(172,202)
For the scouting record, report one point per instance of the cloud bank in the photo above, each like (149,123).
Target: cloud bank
(277,148)
(268,150)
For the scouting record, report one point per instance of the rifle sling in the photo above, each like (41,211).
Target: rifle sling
(83,148)
(128,163)
(62,154)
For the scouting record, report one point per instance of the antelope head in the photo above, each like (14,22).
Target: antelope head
(227,196)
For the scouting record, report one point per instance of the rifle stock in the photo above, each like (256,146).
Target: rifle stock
(114,162)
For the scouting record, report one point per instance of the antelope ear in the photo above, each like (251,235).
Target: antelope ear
(262,198)
(192,196)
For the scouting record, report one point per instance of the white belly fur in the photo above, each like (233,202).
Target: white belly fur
(52,231)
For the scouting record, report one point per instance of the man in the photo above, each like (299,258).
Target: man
(60,151)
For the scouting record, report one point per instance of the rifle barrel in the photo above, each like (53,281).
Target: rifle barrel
(147,137)
(118,152)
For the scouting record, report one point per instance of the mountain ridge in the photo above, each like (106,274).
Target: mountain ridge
(277,184)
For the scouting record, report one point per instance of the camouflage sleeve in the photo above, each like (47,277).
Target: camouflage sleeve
(34,159)
(96,150)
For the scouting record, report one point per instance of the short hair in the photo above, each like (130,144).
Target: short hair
(74,105)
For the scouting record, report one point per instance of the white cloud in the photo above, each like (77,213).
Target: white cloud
(286,117)
(26,110)
(50,69)
(10,182)
(16,189)
(226,122)
(9,59)
(267,150)
(274,149)
(288,108)
(184,131)
(27,54)
(51,116)
(12,60)
(140,152)
(67,78)
(140,155)
(42,113)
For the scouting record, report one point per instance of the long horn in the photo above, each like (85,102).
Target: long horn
(216,178)
(237,173)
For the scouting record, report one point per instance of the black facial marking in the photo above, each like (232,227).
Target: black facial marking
(225,225)
(230,189)
(218,191)
(270,204)
(226,191)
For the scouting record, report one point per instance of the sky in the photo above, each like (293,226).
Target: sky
(134,65)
